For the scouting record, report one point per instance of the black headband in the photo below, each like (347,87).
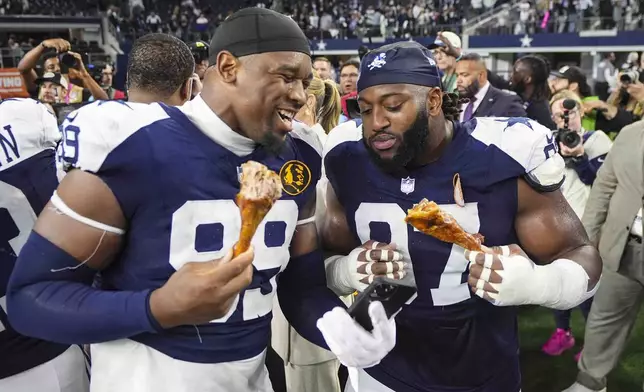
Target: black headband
(258,30)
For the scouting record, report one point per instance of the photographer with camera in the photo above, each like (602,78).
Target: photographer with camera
(597,114)
(629,96)
(103,73)
(199,51)
(584,152)
(58,58)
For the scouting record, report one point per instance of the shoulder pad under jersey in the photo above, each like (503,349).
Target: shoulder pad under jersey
(92,132)
(530,144)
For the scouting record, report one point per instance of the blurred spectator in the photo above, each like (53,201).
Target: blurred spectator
(445,48)
(624,103)
(200,53)
(349,73)
(606,80)
(107,78)
(58,49)
(530,81)
(611,115)
(323,67)
(153,21)
(484,100)
(52,88)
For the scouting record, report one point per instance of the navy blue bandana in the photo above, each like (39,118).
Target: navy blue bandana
(402,62)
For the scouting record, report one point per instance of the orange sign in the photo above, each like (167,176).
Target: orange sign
(12,85)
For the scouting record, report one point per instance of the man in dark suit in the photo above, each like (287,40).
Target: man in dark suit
(485,100)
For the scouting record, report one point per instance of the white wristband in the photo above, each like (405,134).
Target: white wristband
(564,285)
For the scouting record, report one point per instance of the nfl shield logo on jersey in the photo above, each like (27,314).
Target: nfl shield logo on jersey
(407,185)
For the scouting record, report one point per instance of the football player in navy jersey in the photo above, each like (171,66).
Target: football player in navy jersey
(149,202)
(496,176)
(28,138)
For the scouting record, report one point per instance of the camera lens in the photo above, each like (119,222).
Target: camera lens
(571,139)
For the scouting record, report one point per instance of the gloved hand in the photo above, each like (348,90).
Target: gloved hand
(359,268)
(506,276)
(352,344)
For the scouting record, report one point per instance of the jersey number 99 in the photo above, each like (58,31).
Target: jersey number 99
(271,245)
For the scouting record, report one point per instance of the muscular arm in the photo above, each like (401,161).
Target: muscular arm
(94,89)
(548,229)
(53,275)
(28,63)
(336,235)
(302,290)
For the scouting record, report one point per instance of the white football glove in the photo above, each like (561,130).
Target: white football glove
(352,344)
(358,269)
(506,276)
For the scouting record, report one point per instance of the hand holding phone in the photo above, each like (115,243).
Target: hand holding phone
(393,294)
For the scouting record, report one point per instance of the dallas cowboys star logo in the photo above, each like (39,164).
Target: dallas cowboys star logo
(526,41)
(515,120)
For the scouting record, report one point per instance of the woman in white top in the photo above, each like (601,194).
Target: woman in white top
(309,368)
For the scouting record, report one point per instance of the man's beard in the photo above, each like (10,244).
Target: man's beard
(519,87)
(471,90)
(413,144)
(272,143)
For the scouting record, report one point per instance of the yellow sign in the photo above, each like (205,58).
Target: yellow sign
(295,176)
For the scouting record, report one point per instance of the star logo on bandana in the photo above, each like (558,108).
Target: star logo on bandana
(515,120)
(378,62)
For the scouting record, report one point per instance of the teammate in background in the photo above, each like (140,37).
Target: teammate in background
(149,202)
(411,146)
(148,80)
(28,135)
(160,69)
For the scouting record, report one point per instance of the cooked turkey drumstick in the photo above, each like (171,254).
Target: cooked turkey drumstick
(260,188)
(427,217)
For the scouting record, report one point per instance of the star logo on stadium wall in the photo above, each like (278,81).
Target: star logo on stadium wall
(526,41)
(321,45)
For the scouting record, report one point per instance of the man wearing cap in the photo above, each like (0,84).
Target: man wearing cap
(495,176)
(149,201)
(52,87)
(445,59)
(598,115)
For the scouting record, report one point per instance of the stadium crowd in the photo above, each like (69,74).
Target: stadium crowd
(92,267)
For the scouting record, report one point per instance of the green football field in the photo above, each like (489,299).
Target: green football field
(542,373)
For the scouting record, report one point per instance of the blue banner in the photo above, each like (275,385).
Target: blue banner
(599,41)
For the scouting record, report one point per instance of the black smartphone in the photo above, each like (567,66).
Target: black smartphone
(393,294)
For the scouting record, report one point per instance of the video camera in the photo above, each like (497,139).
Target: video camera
(566,136)
(96,71)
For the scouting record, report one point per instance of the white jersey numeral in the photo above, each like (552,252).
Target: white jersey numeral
(450,290)
(223,215)
(17,218)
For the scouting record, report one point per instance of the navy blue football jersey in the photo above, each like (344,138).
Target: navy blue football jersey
(28,138)
(175,173)
(447,338)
